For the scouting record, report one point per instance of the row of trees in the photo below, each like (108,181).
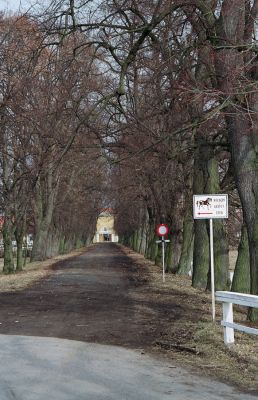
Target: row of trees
(188,99)
(166,91)
(185,120)
(51,165)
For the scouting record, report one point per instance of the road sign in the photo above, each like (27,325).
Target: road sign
(162,230)
(210,206)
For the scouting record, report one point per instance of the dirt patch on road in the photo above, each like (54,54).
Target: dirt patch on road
(111,295)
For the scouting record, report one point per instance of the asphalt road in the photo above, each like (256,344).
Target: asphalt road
(34,368)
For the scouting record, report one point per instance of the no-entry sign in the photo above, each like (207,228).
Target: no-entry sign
(162,230)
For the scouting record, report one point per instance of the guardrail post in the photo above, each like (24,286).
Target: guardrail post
(228,317)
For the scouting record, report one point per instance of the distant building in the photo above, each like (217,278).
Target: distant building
(105,227)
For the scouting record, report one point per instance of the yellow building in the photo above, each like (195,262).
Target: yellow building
(105,228)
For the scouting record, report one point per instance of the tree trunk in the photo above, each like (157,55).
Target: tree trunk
(245,161)
(200,255)
(144,235)
(186,258)
(241,277)
(8,247)
(143,239)
(158,259)
(221,257)
(173,252)
(39,249)
(52,248)
(235,27)
(46,191)
(207,168)
(135,240)
(201,238)
(20,232)
(19,257)
(152,247)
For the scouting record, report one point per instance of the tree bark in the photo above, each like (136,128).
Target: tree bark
(221,256)
(143,239)
(206,180)
(173,252)
(200,255)
(201,238)
(186,258)
(241,277)
(46,191)
(234,28)
(8,247)
(20,233)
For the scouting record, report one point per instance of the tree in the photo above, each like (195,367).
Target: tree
(15,171)
(46,106)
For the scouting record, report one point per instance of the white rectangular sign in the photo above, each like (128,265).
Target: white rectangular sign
(209,206)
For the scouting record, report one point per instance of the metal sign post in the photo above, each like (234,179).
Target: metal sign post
(163,259)
(163,241)
(162,230)
(212,270)
(211,206)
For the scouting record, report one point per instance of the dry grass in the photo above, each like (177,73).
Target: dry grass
(194,331)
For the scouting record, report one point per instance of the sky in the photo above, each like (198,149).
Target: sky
(14,5)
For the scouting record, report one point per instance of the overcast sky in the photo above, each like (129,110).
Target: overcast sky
(14,5)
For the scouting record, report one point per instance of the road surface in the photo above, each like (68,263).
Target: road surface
(80,334)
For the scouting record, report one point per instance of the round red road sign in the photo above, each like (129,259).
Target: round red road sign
(162,230)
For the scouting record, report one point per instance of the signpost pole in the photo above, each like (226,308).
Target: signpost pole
(212,270)
(162,230)
(210,206)
(163,259)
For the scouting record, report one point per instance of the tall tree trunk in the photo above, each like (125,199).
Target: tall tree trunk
(245,161)
(173,252)
(235,27)
(52,248)
(20,233)
(46,191)
(19,257)
(152,247)
(241,277)
(200,255)
(8,247)
(221,256)
(134,240)
(201,238)
(208,177)
(186,258)
(143,244)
